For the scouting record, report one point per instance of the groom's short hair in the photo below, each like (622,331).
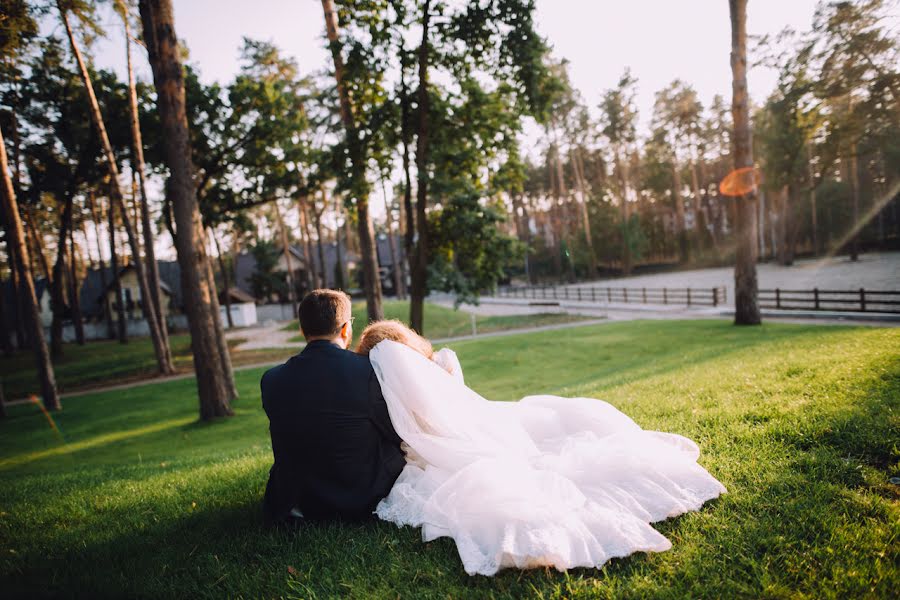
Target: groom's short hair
(324,312)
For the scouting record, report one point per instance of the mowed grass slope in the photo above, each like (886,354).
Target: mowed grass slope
(799,422)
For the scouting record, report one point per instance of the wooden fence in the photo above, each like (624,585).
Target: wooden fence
(679,296)
(861,300)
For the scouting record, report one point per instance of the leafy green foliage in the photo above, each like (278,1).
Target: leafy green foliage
(265,280)
(469,253)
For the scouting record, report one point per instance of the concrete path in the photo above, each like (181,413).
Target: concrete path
(266,335)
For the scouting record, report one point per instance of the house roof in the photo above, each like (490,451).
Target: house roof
(237,295)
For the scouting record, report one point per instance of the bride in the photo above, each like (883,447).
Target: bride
(545,481)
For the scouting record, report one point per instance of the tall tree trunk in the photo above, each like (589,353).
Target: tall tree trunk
(341,265)
(746,290)
(399,288)
(74,292)
(407,212)
(623,183)
(218,328)
(320,241)
(121,323)
(213,383)
(57,285)
(700,220)
(564,201)
(18,295)
(226,281)
(107,309)
(369,258)
(681,229)
(555,222)
(38,244)
(786,232)
(854,189)
(163,355)
(289,264)
(578,166)
(419,275)
(137,153)
(15,236)
(311,272)
(5,340)
(523,231)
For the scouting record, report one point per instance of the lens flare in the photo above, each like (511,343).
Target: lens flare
(740,182)
(873,211)
(34,400)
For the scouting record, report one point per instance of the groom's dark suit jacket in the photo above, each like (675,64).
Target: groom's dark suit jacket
(336,452)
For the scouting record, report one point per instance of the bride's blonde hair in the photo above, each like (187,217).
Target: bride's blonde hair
(395,331)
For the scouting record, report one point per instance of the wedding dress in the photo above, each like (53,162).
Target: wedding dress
(546,481)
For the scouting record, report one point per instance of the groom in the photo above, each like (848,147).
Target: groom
(336,453)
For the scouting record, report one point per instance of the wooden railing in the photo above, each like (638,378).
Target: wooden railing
(679,296)
(861,300)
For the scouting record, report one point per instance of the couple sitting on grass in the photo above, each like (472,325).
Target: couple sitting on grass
(391,430)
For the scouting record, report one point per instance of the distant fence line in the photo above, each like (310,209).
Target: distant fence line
(858,300)
(687,296)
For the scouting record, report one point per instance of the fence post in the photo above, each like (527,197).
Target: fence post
(777,297)
(609,294)
(816,297)
(593,294)
(715,296)
(625,293)
(862,299)
(665,296)
(644,294)
(689,296)
(579,293)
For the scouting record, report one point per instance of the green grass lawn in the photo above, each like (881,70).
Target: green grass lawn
(801,423)
(106,362)
(442,322)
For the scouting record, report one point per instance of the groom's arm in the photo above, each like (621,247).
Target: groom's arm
(379,411)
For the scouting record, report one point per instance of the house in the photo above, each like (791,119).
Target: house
(10,306)
(95,298)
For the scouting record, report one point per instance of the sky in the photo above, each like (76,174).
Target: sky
(660,40)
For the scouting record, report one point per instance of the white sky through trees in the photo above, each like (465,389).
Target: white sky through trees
(659,40)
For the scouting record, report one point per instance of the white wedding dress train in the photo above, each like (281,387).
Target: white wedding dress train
(546,481)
